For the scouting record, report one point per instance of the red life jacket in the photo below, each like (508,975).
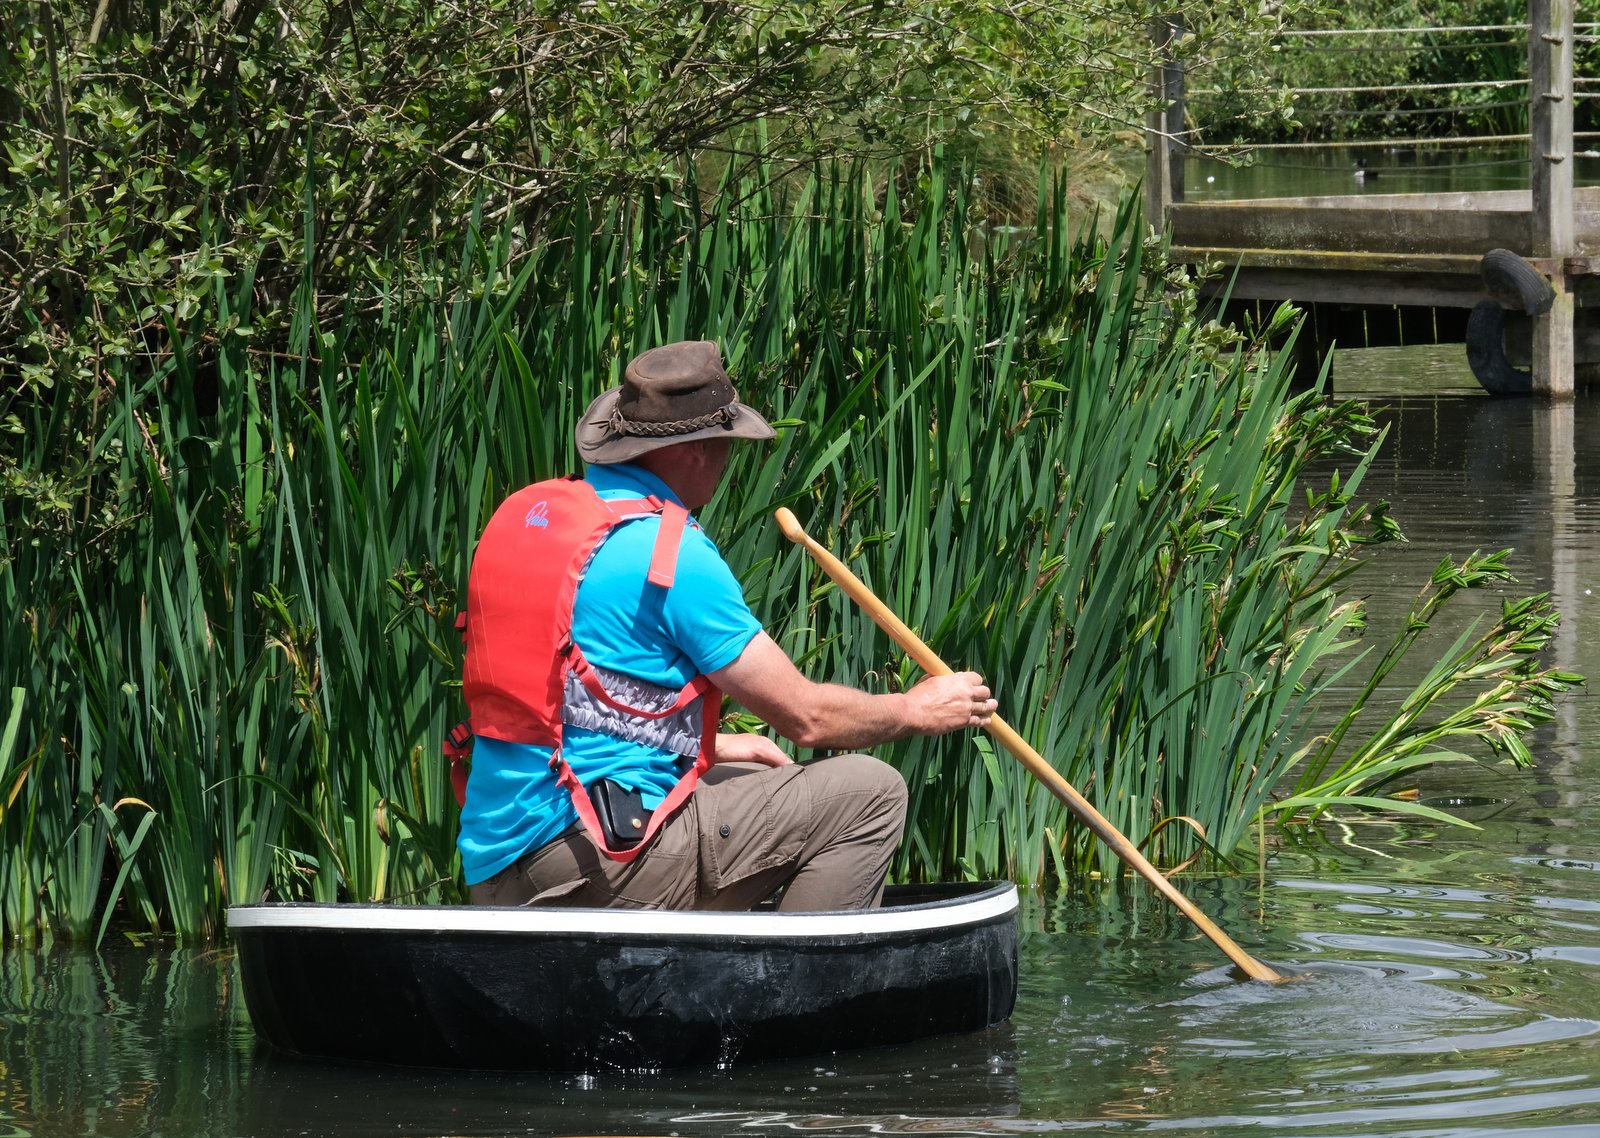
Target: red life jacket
(524,677)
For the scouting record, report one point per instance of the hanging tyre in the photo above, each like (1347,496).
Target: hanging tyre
(1486,352)
(1515,285)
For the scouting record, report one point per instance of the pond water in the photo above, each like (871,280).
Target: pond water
(1398,169)
(1452,977)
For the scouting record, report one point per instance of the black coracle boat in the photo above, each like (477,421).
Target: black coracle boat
(608,989)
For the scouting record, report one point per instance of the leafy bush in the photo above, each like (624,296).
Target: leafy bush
(158,156)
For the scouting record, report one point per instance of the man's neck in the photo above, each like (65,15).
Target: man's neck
(669,464)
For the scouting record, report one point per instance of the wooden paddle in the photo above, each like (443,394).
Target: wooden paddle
(1026,755)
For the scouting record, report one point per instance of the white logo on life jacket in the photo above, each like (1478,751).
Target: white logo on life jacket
(538,516)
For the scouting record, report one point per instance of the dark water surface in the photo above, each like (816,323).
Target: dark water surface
(1453,976)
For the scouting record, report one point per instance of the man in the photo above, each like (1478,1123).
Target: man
(658,629)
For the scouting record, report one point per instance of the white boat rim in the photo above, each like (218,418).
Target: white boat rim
(943,914)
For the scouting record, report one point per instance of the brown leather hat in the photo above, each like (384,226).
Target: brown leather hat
(672,394)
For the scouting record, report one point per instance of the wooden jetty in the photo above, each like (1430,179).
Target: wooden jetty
(1409,268)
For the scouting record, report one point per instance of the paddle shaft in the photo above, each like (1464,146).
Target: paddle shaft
(929,661)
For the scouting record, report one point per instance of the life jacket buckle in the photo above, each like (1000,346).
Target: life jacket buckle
(458,741)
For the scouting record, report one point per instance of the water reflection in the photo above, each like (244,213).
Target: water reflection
(131,1042)
(1559,863)
(1329,170)
(963,1082)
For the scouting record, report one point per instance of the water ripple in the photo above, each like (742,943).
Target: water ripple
(1558,863)
(1359,1011)
(1406,946)
(1580,954)
(1339,1121)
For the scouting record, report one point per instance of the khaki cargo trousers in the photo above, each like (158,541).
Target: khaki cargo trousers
(823,832)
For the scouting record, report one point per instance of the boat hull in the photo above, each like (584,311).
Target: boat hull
(588,989)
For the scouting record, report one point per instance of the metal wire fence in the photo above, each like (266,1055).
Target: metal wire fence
(1376,89)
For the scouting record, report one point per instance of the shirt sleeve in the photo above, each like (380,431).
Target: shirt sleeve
(705,613)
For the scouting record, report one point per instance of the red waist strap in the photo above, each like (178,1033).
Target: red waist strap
(457,746)
(658,817)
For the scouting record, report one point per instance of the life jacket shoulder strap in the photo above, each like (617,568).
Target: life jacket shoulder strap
(664,559)
(669,538)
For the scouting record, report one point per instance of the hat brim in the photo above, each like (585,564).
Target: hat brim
(598,443)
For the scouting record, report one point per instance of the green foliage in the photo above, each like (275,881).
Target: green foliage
(1497,671)
(1413,46)
(159,156)
(1026,443)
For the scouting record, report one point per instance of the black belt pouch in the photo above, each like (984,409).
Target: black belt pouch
(622,815)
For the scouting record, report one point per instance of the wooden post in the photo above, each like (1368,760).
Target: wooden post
(1550,144)
(1172,82)
(1163,179)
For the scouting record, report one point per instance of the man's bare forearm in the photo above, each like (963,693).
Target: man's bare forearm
(837,717)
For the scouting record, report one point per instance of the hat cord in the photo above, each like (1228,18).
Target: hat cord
(724,414)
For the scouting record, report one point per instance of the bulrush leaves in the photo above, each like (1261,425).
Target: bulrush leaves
(1024,444)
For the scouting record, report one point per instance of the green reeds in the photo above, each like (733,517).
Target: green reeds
(233,685)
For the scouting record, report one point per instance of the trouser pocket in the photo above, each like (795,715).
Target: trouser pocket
(752,819)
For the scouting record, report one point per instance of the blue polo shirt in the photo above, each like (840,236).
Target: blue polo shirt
(623,623)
